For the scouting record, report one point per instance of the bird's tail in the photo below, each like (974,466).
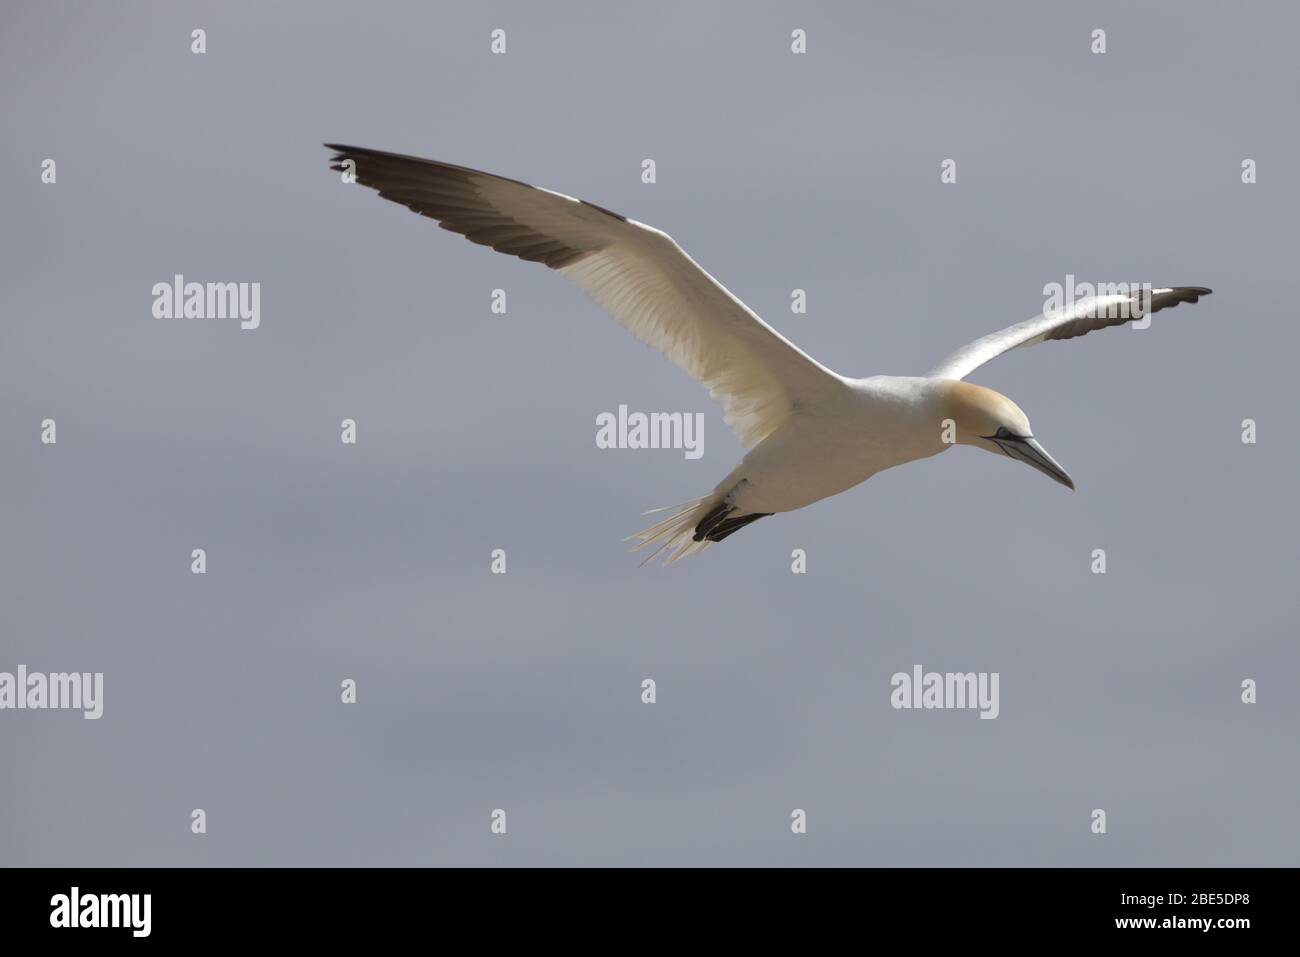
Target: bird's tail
(692,527)
(676,533)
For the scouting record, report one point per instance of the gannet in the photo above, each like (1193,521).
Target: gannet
(811,433)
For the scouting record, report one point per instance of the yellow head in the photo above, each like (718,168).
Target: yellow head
(990,421)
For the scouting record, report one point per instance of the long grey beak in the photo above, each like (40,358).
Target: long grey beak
(1030,452)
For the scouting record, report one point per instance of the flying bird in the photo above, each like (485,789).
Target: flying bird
(811,433)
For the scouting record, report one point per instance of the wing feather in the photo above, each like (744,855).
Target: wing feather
(1085,316)
(635,272)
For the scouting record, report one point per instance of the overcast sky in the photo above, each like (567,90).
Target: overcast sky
(522,692)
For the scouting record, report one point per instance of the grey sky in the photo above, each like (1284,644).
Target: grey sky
(522,691)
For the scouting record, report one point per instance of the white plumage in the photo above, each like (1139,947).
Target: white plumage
(811,432)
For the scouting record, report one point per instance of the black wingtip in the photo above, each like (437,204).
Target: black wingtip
(343,151)
(1177,294)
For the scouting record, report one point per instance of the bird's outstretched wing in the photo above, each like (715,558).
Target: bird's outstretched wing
(637,273)
(1095,312)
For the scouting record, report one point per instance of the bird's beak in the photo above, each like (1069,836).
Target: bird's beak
(1030,452)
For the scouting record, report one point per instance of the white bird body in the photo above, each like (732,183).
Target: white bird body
(811,432)
(869,426)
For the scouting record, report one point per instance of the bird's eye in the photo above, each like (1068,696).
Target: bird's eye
(1002,432)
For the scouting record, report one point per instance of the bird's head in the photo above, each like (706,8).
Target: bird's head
(990,421)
